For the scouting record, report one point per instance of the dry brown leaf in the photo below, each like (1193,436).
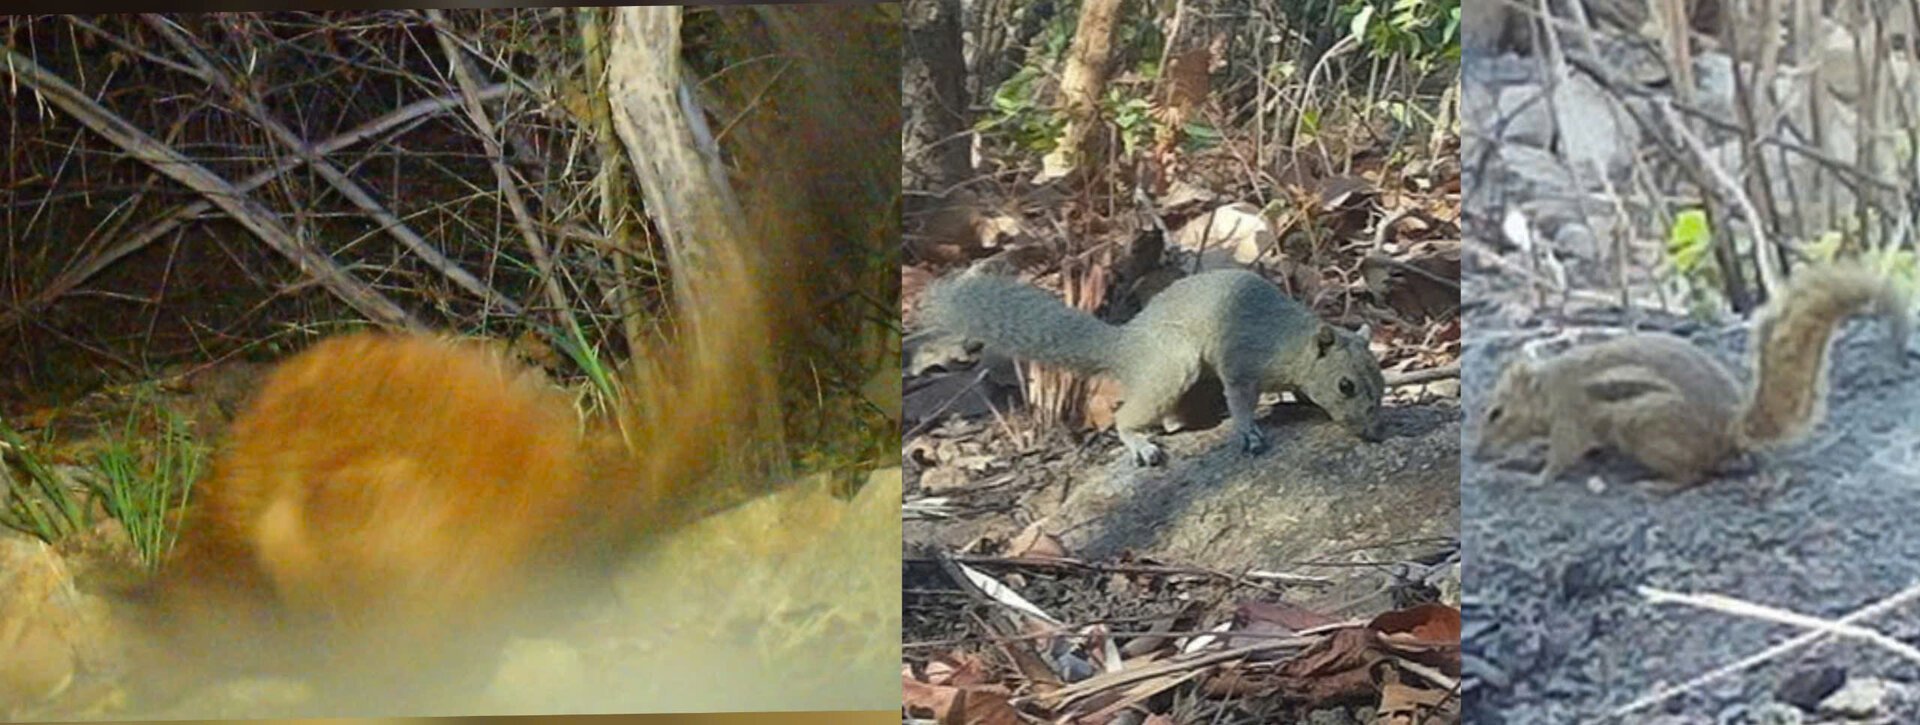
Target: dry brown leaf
(1254,615)
(980,704)
(1336,668)
(1428,634)
(1103,399)
(1425,623)
(926,700)
(1190,82)
(1035,542)
(958,670)
(1027,659)
(1404,704)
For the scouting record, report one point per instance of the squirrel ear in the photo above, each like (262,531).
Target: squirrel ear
(1365,332)
(1518,372)
(1325,339)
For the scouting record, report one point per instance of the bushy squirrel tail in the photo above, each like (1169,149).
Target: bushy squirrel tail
(703,416)
(1791,341)
(1020,320)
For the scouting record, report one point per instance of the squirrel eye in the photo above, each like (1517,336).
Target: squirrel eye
(1493,415)
(1346,387)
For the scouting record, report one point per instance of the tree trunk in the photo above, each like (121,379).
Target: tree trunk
(1082,84)
(934,85)
(673,154)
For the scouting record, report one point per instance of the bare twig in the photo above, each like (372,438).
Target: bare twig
(496,156)
(249,213)
(85,270)
(1902,598)
(1428,375)
(1751,610)
(250,104)
(1769,257)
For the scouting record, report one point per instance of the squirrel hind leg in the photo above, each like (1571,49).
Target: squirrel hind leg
(1149,396)
(1681,443)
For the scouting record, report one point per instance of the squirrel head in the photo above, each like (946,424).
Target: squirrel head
(1510,417)
(1345,380)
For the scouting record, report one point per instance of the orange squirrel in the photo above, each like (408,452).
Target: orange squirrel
(390,505)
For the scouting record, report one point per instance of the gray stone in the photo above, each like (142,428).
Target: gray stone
(1526,113)
(1594,130)
(1861,697)
(1776,713)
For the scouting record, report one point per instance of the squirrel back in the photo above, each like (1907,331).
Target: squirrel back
(1791,341)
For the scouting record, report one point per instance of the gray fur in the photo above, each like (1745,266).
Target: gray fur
(1231,322)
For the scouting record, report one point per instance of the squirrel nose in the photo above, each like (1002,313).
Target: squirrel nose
(1483,449)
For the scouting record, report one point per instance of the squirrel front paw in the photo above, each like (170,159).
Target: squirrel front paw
(1148,455)
(1253,441)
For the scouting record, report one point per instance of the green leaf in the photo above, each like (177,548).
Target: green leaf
(1689,240)
(1359,25)
(1826,246)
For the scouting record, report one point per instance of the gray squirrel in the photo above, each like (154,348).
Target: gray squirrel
(1232,324)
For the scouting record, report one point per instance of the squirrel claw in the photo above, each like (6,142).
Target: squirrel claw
(1253,441)
(1149,455)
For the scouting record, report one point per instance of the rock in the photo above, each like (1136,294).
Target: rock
(38,665)
(1491,28)
(1713,84)
(1526,113)
(1862,697)
(39,616)
(1594,130)
(1575,239)
(1805,688)
(1530,170)
(1775,713)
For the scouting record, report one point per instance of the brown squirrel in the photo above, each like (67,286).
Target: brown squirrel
(389,507)
(1232,326)
(1670,406)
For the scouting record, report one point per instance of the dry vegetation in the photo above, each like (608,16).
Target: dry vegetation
(1103,149)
